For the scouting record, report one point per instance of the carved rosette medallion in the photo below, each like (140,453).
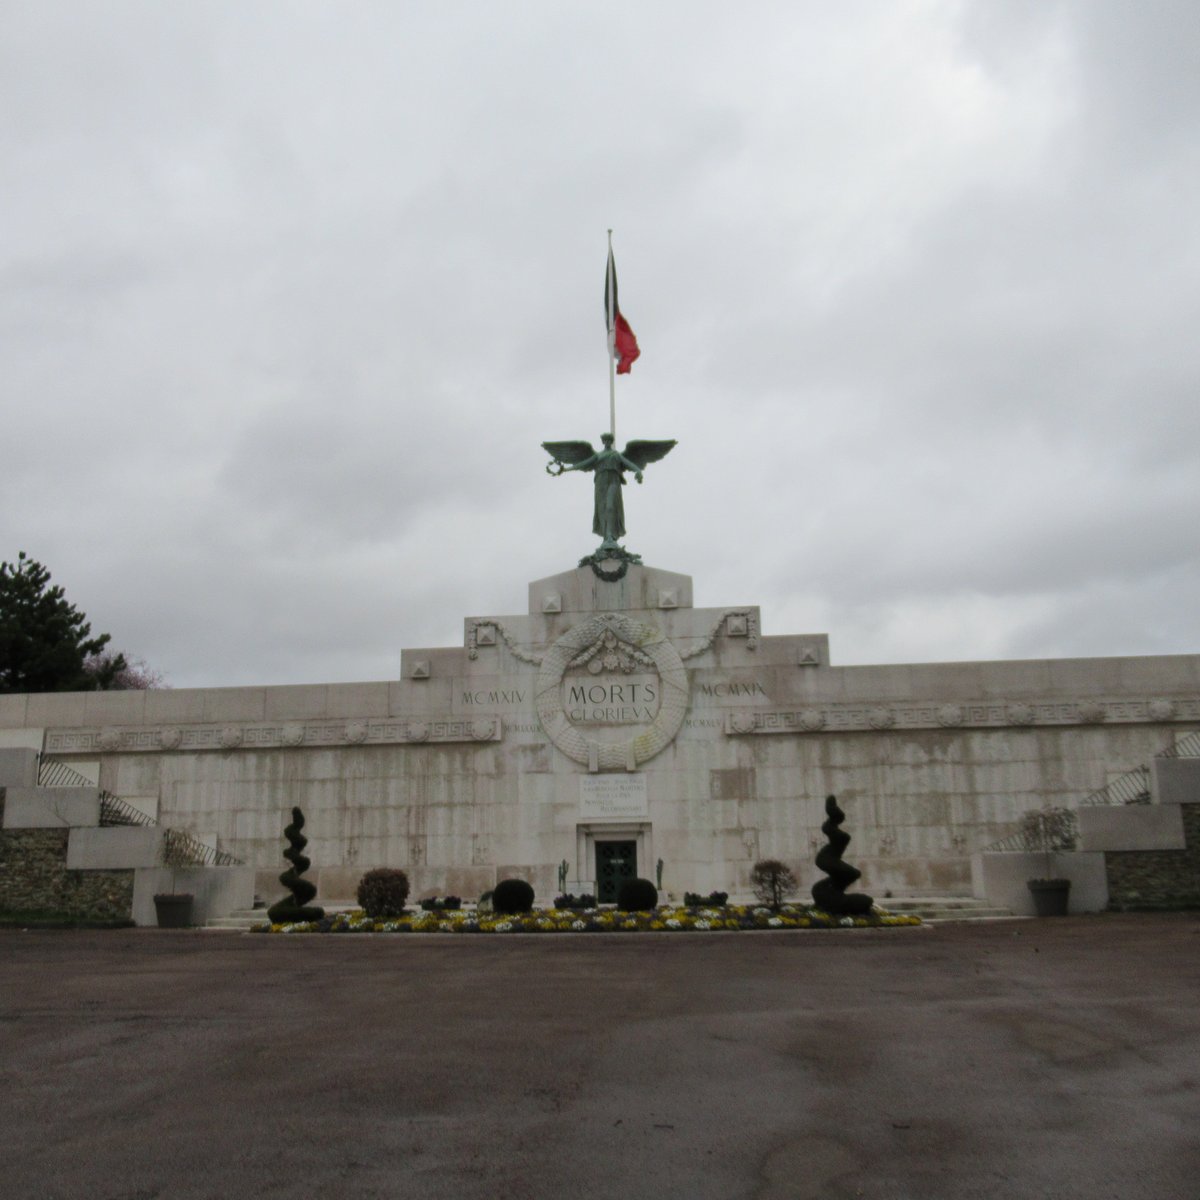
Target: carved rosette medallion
(1161,710)
(109,739)
(742,722)
(632,640)
(1093,712)
(292,734)
(1021,714)
(170,738)
(356,732)
(482,731)
(950,715)
(417,731)
(812,719)
(881,718)
(231,736)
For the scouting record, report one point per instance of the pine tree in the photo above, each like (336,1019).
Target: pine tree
(45,640)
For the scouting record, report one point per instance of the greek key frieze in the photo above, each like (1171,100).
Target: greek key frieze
(232,737)
(951,715)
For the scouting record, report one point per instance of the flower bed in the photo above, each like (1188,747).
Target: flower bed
(732,917)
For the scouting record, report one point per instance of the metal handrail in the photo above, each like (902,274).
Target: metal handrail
(1023,841)
(1131,788)
(55,774)
(115,811)
(1188,746)
(181,849)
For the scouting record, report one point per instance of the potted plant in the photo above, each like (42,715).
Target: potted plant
(1049,831)
(174,909)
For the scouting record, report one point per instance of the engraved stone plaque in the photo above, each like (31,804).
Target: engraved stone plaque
(613,798)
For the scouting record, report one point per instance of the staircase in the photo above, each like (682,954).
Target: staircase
(241,920)
(935,910)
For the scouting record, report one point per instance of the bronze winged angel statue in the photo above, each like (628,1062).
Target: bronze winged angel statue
(609,466)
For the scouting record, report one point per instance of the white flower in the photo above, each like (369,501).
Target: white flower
(504,927)
(775,921)
(703,925)
(672,923)
(578,925)
(846,921)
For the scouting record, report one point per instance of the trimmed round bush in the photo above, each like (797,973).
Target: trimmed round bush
(637,895)
(382,892)
(512,896)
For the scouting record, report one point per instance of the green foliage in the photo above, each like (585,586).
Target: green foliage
(1049,831)
(712,900)
(383,892)
(772,881)
(512,896)
(296,907)
(637,895)
(829,894)
(45,641)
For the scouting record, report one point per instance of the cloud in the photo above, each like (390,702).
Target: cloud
(287,308)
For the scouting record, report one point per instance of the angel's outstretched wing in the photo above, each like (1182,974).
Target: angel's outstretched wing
(571,453)
(647,452)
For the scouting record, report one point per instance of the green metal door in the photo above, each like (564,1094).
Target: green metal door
(615,863)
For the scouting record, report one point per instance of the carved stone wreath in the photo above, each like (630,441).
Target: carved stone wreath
(641,639)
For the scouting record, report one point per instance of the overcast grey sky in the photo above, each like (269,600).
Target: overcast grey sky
(291,293)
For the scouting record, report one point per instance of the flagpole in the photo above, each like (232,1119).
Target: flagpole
(612,346)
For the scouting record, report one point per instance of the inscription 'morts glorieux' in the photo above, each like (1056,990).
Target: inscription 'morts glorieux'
(612,700)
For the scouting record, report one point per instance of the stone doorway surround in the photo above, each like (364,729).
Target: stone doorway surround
(589,833)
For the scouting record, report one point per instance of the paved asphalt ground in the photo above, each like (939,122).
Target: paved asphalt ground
(1054,1058)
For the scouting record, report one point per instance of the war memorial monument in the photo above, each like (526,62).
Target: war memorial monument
(618,728)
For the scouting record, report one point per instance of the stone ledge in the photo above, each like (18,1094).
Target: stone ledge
(1131,827)
(51,808)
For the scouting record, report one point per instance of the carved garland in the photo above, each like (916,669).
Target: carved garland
(534,660)
(520,655)
(706,642)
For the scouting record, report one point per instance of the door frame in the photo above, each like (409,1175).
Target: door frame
(589,833)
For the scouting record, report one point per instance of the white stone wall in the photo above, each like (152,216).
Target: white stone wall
(468,767)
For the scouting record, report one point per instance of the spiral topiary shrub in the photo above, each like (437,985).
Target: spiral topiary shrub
(295,907)
(637,895)
(830,893)
(512,896)
(382,892)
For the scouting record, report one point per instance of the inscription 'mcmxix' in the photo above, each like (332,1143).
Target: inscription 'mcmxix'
(501,696)
(753,688)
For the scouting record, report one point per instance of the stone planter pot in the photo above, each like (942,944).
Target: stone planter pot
(174,911)
(1050,896)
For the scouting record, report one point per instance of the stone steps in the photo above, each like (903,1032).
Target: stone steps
(244,919)
(945,908)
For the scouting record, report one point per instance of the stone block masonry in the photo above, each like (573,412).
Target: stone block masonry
(474,763)
(34,878)
(1140,879)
